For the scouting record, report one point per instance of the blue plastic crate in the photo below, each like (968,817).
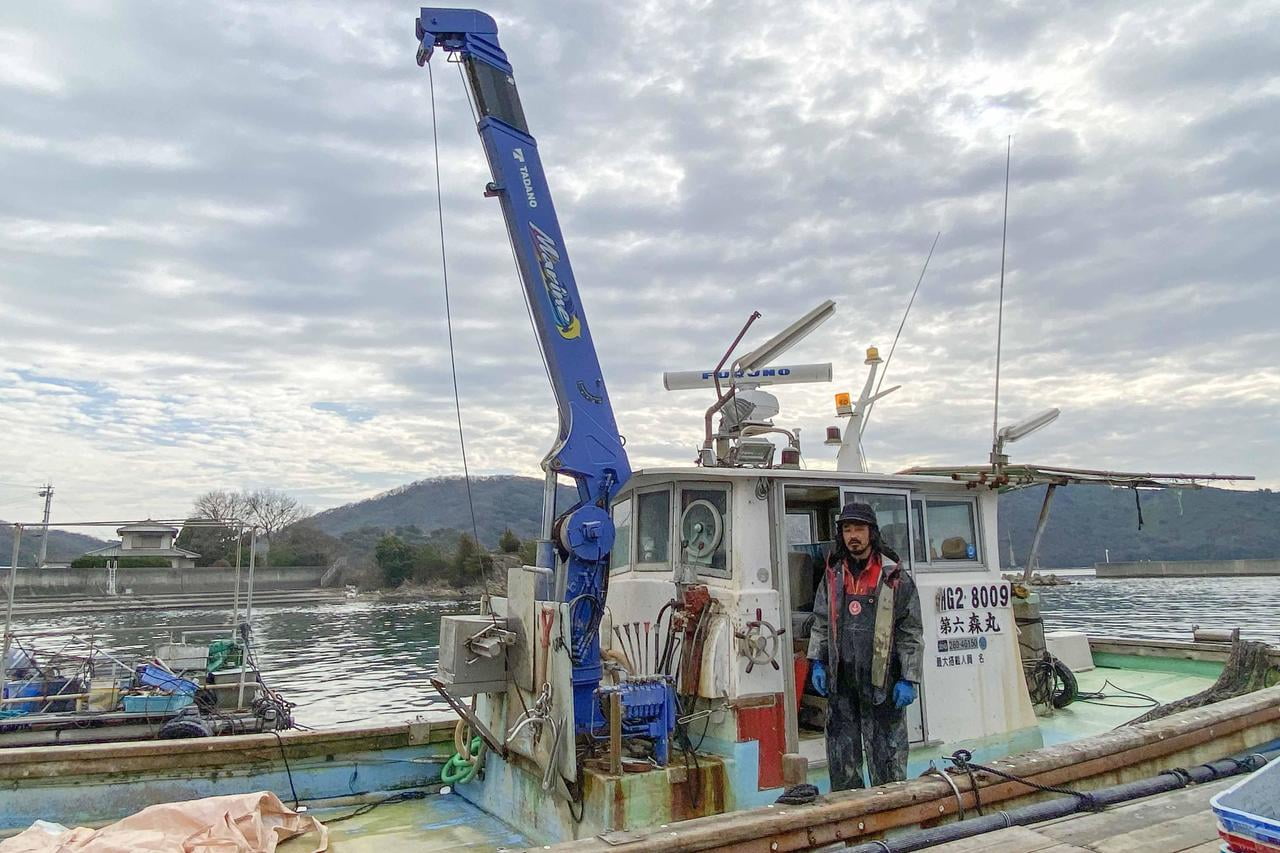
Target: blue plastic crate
(1251,807)
(41,687)
(151,675)
(156,704)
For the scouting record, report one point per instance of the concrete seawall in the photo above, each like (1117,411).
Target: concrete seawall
(158,581)
(1189,569)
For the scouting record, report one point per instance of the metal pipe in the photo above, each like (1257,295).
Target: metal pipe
(8,614)
(1040,526)
(136,629)
(1168,780)
(724,397)
(248,614)
(235,601)
(615,734)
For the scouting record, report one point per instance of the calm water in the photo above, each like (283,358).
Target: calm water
(353,662)
(1164,608)
(368,661)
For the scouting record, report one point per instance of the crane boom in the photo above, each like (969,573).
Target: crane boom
(588,447)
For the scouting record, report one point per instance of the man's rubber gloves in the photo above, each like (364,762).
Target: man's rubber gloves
(904,692)
(818,675)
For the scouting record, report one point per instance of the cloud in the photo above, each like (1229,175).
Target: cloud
(221,255)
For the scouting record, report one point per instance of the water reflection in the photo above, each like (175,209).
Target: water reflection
(354,662)
(363,662)
(1163,608)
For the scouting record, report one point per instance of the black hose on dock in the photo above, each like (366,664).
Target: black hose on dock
(1168,780)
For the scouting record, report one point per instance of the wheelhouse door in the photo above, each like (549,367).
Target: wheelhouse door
(893,515)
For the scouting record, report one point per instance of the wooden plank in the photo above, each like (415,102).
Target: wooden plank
(1180,834)
(1133,818)
(1015,839)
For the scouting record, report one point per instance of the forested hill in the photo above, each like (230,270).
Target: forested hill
(500,502)
(63,546)
(1177,524)
(1085,520)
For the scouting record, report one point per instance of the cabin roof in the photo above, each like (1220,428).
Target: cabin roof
(1029,475)
(689,472)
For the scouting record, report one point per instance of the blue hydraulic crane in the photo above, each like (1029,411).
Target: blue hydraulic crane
(589,448)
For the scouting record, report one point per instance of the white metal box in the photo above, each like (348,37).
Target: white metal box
(183,657)
(463,671)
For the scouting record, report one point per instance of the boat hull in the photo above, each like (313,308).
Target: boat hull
(84,784)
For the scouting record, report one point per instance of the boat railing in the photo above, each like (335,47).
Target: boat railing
(171,630)
(84,651)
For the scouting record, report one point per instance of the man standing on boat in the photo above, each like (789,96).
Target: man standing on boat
(865,652)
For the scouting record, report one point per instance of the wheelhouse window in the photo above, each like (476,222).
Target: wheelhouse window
(620,557)
(653,530)
(704,530)
(919,550)
(952,531)
(891,513)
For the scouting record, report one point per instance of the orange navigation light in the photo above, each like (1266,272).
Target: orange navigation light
(844,403)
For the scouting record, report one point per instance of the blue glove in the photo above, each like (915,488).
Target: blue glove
(904,693)
(818,676)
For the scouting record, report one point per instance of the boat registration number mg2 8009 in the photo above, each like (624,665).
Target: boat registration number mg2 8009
(982,596)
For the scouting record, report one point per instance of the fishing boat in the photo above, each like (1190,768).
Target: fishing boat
(194,680)
(643,686)
(335,772)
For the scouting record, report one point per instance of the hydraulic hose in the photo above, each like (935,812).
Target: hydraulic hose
(1168,780)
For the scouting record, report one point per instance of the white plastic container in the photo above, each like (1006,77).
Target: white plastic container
(1072,648)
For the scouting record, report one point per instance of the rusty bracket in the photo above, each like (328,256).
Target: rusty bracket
(472,720)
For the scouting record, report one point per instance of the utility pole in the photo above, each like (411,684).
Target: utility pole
(47,494)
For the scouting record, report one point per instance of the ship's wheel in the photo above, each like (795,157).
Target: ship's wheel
(701,529)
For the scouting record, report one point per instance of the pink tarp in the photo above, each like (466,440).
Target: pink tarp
(240,823)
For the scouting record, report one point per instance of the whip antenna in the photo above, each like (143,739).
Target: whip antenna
(1004,231)
(866,417)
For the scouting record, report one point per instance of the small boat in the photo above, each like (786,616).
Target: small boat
(70,687)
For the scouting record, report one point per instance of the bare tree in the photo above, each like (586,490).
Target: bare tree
(272,510)
(214,544)
(221,505)
(269,510)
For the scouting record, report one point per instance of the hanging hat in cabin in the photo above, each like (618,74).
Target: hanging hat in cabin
(859,513)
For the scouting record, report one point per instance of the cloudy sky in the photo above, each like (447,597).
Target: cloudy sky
(219,263)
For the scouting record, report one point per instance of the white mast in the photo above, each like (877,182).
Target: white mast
(850,457)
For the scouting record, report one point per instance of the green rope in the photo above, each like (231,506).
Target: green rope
(458,770)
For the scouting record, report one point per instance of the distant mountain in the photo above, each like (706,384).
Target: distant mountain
(63,546)
(1084,521)
(1177,524)
(500,502)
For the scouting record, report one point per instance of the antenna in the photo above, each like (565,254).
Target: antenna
(787,338)
(746,409)
(1022,429)
(1004,231)
(866,416)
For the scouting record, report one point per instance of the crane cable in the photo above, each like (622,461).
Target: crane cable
(448,317)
